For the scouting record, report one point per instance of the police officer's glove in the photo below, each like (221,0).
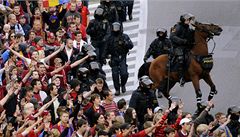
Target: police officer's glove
(104,62)
(145,59)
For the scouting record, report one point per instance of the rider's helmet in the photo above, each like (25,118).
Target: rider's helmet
(161,30)
(145,82)
(186,16)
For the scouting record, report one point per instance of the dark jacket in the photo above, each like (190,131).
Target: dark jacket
(118,45)
(142,99)
(64,57)
(98,29)
(62,102)
(182,36)
(110,11)
(158,47)
(53,20)
(89,113)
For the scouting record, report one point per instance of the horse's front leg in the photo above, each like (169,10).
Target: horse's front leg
(196,85)
(207,78)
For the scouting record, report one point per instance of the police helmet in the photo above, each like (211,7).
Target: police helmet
(145,81)
(94,65)
(186,16)
(159,30)
(234,110)
(116,27)
(83,70)
(88,47)
(99,11)
(92,54)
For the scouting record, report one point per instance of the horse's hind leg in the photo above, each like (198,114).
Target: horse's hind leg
(207,78)
(165,87)
(195,81)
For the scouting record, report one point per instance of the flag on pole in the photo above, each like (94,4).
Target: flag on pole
(52,3)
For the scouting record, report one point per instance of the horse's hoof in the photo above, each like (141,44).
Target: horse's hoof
(215,92)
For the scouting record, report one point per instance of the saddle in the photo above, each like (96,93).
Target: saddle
(206,62)
(173,62)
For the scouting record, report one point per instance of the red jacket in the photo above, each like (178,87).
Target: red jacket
(159,132)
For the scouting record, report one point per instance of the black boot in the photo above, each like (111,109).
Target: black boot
(117,93)
(130,17)
(123,89)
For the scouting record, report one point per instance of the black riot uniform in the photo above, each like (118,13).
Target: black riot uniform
(110,11)
(98,29)
(143,98)
(118,47)
(159,46)
(182,38)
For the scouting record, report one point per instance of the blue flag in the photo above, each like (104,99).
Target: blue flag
(63,1)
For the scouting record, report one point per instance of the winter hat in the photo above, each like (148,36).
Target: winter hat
(37,39)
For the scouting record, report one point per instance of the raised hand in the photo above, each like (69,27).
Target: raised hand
(149,111)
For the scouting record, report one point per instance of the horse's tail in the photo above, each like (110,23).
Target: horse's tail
(144,69)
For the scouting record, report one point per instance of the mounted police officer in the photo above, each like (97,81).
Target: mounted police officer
(118,47)
(98,29)
(161,45)
(143,98)
(182,38)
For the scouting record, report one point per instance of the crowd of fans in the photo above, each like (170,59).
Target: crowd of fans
(52,83)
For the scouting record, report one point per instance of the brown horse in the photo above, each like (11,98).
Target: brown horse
(164,80)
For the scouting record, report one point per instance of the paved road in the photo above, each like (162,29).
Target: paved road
(225,73)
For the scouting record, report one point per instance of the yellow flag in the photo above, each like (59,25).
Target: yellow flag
(53,3)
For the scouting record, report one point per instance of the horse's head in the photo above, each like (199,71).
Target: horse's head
(209,29)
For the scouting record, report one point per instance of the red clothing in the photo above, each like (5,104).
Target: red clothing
(63,73)
(32,134)
(82,29)
(37,96)
(38,47)
(55,43)
(84,14)
(159,132)
(179,134)
(74,95)
(60,127)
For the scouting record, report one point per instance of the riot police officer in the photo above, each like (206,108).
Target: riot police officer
(118,47)
(182,38)
(121,10)
(98,29)
(143,98)
(110,11)
(161,45)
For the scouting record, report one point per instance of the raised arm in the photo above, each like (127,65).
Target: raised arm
(24,80)
(18,54)
(54,53)
(76,63)
(59,69)
(4,100)
(27,130)
(44,107)
(28,8)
